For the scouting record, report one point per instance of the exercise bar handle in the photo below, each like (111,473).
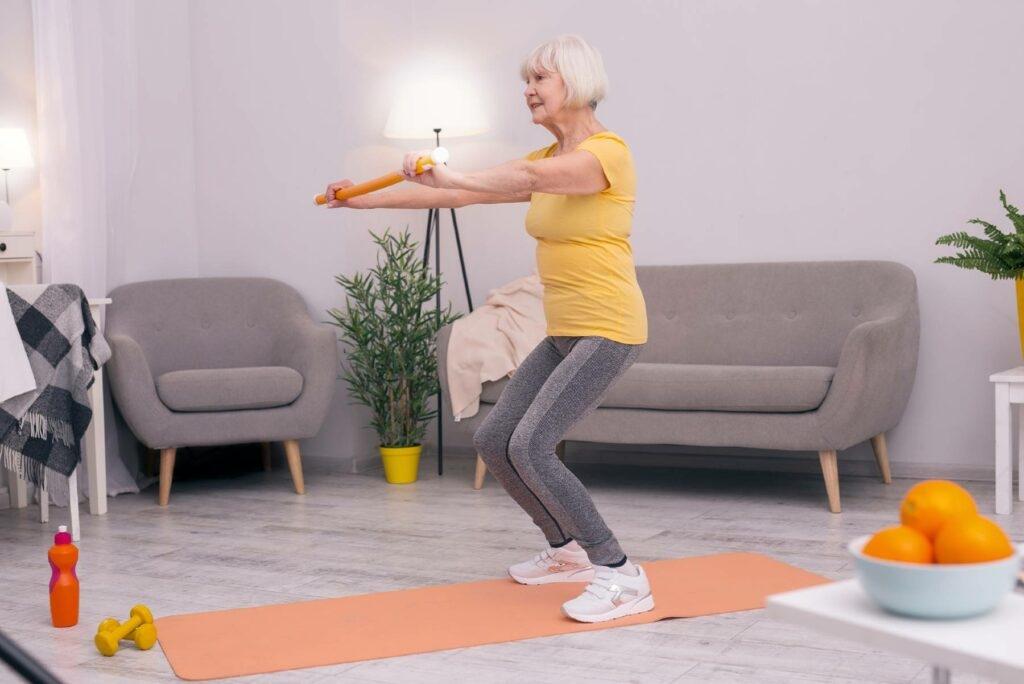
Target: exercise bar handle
(438,156)
(363,188)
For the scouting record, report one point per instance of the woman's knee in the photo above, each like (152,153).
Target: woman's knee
(525,450)
(489,441)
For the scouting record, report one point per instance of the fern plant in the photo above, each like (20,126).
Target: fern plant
(390,362)
(1001,255)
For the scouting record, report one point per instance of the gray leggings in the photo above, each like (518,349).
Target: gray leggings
(559,383)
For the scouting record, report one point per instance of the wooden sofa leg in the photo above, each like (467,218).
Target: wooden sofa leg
(882,456)
(291,450)
(166,474)
(481,472)
(830,469)
(265,453)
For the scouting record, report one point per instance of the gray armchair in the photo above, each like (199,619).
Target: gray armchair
(209,361)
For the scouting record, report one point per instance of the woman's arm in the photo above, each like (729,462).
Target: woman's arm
(575,173)
(411,196)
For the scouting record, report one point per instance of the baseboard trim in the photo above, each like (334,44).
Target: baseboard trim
(850,465)
(728,459)
(353,465)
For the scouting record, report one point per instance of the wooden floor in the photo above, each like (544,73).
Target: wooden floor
(244,538)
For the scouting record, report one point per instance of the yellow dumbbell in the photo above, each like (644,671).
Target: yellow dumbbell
(139,628)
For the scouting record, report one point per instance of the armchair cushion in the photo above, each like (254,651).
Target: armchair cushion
(229,389)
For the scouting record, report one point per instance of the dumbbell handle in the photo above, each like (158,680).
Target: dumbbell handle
(115,624)
(127,627)
(106,641)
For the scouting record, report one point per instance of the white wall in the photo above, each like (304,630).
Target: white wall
(762,131)
(791,130)
(159,238)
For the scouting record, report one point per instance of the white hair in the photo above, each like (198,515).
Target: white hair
(579,65)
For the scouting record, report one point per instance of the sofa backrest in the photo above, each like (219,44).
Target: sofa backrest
(205,322)
(781,313)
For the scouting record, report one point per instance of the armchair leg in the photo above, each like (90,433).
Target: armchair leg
(166,474)
(830,469)
(881,456)
(291,450)
(481,472)
(265,452)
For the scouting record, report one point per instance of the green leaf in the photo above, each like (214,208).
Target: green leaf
(389,333)
(1001,255)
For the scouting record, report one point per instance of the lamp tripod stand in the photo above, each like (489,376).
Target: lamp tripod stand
(433,230)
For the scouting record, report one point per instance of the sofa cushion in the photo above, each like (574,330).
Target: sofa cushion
(699,387)
(229,389)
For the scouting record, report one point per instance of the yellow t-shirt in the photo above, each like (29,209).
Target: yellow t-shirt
(584,257)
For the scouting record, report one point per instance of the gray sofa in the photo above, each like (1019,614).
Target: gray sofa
(791,356)
(209,361)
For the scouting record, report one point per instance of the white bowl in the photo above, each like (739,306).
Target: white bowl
(935,590)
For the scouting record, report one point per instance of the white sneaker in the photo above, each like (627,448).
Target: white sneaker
(563,564)
(612,594)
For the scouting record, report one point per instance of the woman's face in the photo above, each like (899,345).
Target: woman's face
(545,96)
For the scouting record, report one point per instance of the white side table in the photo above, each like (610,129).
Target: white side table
(1009,393)
(989,645)
(95,434)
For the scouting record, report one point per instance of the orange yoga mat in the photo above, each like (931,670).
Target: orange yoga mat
(265,639)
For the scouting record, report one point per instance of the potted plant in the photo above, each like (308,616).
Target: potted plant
(390,361)
(1001,255)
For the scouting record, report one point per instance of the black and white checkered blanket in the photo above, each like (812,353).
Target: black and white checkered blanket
(42,430)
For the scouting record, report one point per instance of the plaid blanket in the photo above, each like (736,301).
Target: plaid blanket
(42,430)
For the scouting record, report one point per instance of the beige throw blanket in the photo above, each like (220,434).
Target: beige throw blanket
(491,342)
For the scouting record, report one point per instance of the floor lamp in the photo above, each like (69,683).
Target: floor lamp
(411,118)
(434,231)
(14,154)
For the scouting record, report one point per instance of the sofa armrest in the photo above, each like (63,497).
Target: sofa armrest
(134,389)
(312,350)
(873,380)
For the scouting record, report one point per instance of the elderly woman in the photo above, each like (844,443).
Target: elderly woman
(581,194)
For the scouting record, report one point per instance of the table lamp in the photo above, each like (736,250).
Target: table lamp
(14,154)
(425,109)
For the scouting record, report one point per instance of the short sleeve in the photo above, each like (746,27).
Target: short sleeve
(539,154)
(616,161)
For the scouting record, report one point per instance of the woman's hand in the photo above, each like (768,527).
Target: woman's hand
(351,203)
(437,176)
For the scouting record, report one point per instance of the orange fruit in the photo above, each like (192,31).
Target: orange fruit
(930,504)
(900,543)
(972,539)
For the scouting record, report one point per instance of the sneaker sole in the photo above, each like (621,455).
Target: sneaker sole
(573,576)
(639,606)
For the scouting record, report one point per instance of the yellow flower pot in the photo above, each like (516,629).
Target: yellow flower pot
(1020,312)
(401,464)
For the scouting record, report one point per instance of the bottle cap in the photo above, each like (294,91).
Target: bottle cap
(62,537)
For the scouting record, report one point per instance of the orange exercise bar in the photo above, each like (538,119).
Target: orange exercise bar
(438,156)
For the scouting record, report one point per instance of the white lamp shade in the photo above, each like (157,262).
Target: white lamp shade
(14,151)
(435,102)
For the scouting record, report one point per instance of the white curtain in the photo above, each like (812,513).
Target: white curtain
(87,104)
